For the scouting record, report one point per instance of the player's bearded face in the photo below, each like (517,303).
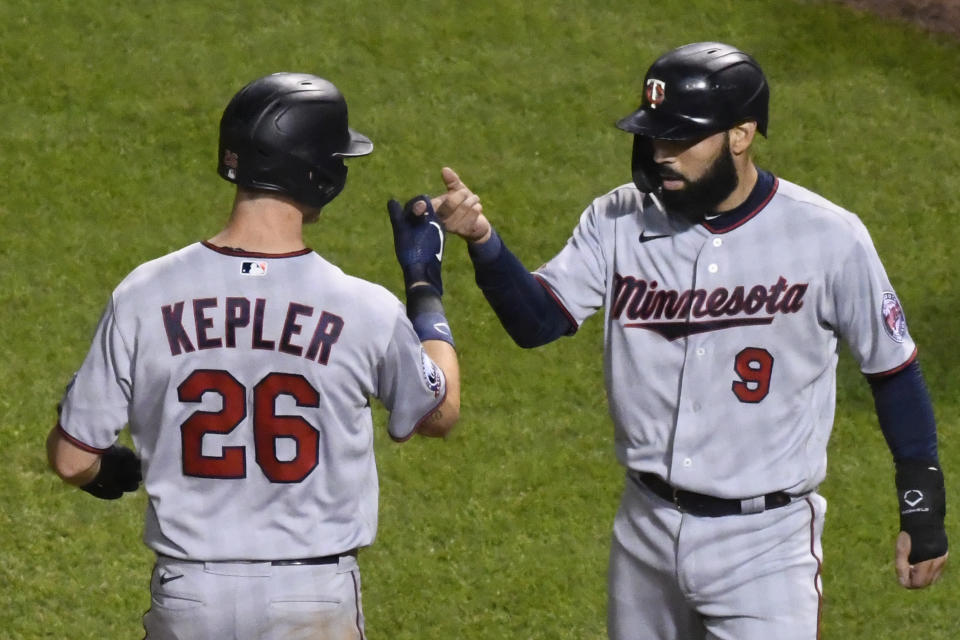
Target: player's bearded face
(699,197)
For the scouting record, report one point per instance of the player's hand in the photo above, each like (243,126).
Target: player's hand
(418,242)
(119,473)
(460,211)
(921,574)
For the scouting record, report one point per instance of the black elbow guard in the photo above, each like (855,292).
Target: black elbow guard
(119,472)
(923,506)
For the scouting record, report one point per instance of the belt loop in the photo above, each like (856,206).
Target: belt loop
(753,505)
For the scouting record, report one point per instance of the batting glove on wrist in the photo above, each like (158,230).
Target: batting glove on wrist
(119,473)
(923,507)
(418,242)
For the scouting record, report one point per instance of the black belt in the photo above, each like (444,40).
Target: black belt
(294,562)
(313,561)
(699,504)
(306,561)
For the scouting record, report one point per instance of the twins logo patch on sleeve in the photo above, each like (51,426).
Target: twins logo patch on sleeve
(893,319)
(431,374)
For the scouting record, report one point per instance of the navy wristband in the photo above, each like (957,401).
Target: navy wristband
(432,325)
(425,310)
(488,251)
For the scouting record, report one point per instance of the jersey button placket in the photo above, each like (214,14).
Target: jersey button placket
(689,429)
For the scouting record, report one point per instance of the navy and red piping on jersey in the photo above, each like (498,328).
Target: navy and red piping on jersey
(895,370)
(527,308)
(761,194)
(422,420)
(240,253)
(573,323)
(77,443)
(813,552)
(356,601)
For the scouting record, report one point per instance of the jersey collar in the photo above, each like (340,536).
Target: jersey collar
(240,253)
(761,194)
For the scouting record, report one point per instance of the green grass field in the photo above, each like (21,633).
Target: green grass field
(108,130)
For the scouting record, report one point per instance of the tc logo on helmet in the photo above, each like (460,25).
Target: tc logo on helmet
(656,92)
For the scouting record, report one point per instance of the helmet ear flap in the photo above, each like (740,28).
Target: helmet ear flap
(645,173)
(326,181)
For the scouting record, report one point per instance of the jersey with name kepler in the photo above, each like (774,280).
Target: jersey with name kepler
(721,338)
(246,382)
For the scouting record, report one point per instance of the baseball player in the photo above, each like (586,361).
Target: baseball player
(725,293)
(244,367)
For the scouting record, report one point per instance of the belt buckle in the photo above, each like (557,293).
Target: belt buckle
(676,498)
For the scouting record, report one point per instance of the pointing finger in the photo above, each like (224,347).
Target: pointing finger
(451,179)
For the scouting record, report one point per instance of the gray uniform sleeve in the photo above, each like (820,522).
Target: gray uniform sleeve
(577,275)
(95,405)
(411,385)
(869,316)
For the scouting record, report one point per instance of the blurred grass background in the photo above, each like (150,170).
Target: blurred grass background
(108,129)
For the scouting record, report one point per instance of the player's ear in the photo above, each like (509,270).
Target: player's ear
(741,136)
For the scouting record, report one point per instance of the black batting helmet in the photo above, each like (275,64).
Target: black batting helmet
(691,92)
(699,89)
(288,132)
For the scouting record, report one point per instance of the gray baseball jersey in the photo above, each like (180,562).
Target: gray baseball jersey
(246,382)
(721,343)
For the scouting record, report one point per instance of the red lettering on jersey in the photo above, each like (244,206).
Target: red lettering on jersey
(793,299)
(231,463)
(663,302)
(327,333)
(236,315)
(202,323)
(715,302)
(259,309)
(173,325)
(641,300)
(268,427)
(755,299)
(734,304)
(291,328)
(776,291)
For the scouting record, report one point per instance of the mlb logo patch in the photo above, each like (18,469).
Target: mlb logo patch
(253,268)
(893,319)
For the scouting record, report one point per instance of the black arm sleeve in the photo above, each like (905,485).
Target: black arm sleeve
(526,309)
(906,414)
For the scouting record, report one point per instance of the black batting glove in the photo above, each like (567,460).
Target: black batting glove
(418,242)
(119,473)
(923,507)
